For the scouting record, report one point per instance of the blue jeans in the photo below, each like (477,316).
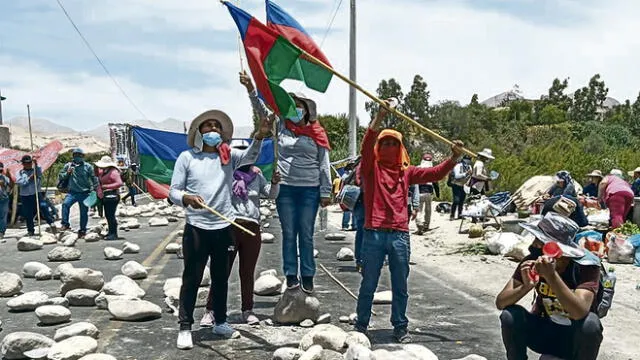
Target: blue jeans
(377,245)
(346,219)
(71,199)
(298,208)
(358,219)
(4,211)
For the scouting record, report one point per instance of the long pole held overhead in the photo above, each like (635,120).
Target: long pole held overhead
(353,118)
(35,172)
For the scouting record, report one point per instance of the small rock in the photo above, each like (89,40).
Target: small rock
(44,274)
(267,285)
(30,269)
(73,348)
(57,301)
(77,329)
(287,353)
(330,355)
(324,319)
(267,238)
(295,306)
(172,219)
(419,352)
(96,229)
(332,338)
(359,352)
(272,272)
(14,345)
(82,297)
(307,323)
(265,212)
(357,338)
(92,237)
(134,310)
(382,297)
(352,318)
(28,301)
(472,357)
(62,234)
(123,285)
(97,357)
(335,237)
(172,248)
(313,353)
(53,314)
(316,253)
(158,221)
(345,254)
(56,272)
(10,284)
(130,248)
(133,224)
(69,240)
(134,270)
(79,278)
(344,319)
(268,322)
(48,239)
(266,225)
(40,353)
(111,253)
(29,244)
(63,253)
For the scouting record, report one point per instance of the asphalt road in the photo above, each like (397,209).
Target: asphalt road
(451,320)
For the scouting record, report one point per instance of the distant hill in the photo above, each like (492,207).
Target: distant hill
(39,125)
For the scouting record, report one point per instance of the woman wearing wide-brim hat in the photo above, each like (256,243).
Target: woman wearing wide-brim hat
(109,182)
(303,162)
(203,176)
(480,179)
(594,178)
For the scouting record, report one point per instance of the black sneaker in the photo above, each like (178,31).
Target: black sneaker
(292,282)
(402,335)
(307,284)
(82,234)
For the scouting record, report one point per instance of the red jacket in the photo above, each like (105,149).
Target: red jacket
(386,204)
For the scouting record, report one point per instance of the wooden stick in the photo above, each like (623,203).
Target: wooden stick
(343,286)
(35,172)
(240,46)
(14,206)
(143,192)
(216,213)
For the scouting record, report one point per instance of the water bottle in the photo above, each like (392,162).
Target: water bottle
(608,285)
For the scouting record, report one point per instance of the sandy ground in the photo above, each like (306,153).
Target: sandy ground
(487,274)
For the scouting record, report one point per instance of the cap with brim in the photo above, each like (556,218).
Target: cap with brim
(218,115)
(596,173)
(637,170)
(106,162)
(26,159)
(77,151)
(310,104)
(559,229)
(487,153)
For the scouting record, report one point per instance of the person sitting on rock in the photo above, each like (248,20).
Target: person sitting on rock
(248,186)
(203,178)
(563,322)
(387,175)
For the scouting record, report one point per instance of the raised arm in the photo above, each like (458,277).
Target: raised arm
(258,106)
(325,175)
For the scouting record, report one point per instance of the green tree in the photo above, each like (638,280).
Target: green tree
(588,102)
(386,89)
(416,101)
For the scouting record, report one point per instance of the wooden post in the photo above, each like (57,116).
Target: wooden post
(14,206)
(35,173)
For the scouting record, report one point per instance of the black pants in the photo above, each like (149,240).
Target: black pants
(110,203)
(458,200)
(29,211)
(521,330)
(197,246)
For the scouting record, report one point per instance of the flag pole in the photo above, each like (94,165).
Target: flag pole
(428,131)
(240,46)
(35,172)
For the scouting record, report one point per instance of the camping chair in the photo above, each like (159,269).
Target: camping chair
(484,208)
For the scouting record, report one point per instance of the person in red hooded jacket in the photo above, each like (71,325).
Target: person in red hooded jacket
(386,177)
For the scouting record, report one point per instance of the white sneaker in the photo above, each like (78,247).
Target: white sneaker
(224,330)
(250,318)
(185,342)
(207,319)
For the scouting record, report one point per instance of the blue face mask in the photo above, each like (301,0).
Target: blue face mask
(78,159)
(211,138)
(299,116)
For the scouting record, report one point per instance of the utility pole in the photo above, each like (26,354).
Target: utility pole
(353,118)
(1,98)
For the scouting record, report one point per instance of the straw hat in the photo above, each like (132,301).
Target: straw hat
(637,170)
(219,115)
(596,173)
(106,162)
(487,153)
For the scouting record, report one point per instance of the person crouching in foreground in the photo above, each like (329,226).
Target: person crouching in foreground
(386,176)
(563,322)
(203,176)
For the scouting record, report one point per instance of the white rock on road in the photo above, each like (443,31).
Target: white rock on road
(53,314)
(98,357)
(313,353)
(31,268)
(133,224)
(73,348)
(272,272)
(92,237)
(473,357)
(79,278)
(77,329)
(82,297)
(123,285)
(267,238)
(357,338)
(63,253)
(29,244)
(172,248)
(69,240)
(287,353)
(345,254)
(44,274)
(359,352)
(130,248)
(10,284)
(331,338)
(267,285)
(48,239)
(134,270)
(134,310)
(28,301)
(102,301)
(14,345)
(206,277)
(295,306)
(382,297)
(335,237)
(57,301)
(111,253)
(158,221)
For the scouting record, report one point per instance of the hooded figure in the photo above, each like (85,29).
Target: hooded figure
(563,186)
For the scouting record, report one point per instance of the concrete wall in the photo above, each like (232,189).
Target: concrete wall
(5,137)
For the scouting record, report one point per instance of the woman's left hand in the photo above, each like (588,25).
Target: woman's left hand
(276,177)
(266,126)
(325,201)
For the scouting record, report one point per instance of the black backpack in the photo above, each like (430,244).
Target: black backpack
(63,185)
(450,179)
(606,289)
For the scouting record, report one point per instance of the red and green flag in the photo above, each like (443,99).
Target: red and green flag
(272,58)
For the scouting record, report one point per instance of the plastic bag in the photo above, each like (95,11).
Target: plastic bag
(502,243)
(91,200)
(621,251)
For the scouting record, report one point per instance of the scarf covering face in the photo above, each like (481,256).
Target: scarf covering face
(313,130)
(393,160)
(241,180)
(565,176)
(223,149)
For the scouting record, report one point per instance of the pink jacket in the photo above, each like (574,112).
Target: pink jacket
(109,180)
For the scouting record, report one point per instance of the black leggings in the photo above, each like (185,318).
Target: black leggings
(521,330)
(458,199)
(197,246)
(110,205)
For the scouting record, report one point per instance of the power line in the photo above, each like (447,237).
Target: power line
(104,67)
(330,24)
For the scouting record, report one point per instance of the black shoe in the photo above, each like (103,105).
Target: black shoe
(82,234)
(111,237)
(307,284)
(401,335)
(30,234)
(292,282)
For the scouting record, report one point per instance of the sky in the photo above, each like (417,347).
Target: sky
(176,59)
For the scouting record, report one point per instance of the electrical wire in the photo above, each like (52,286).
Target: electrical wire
(104,67)
(330,24)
